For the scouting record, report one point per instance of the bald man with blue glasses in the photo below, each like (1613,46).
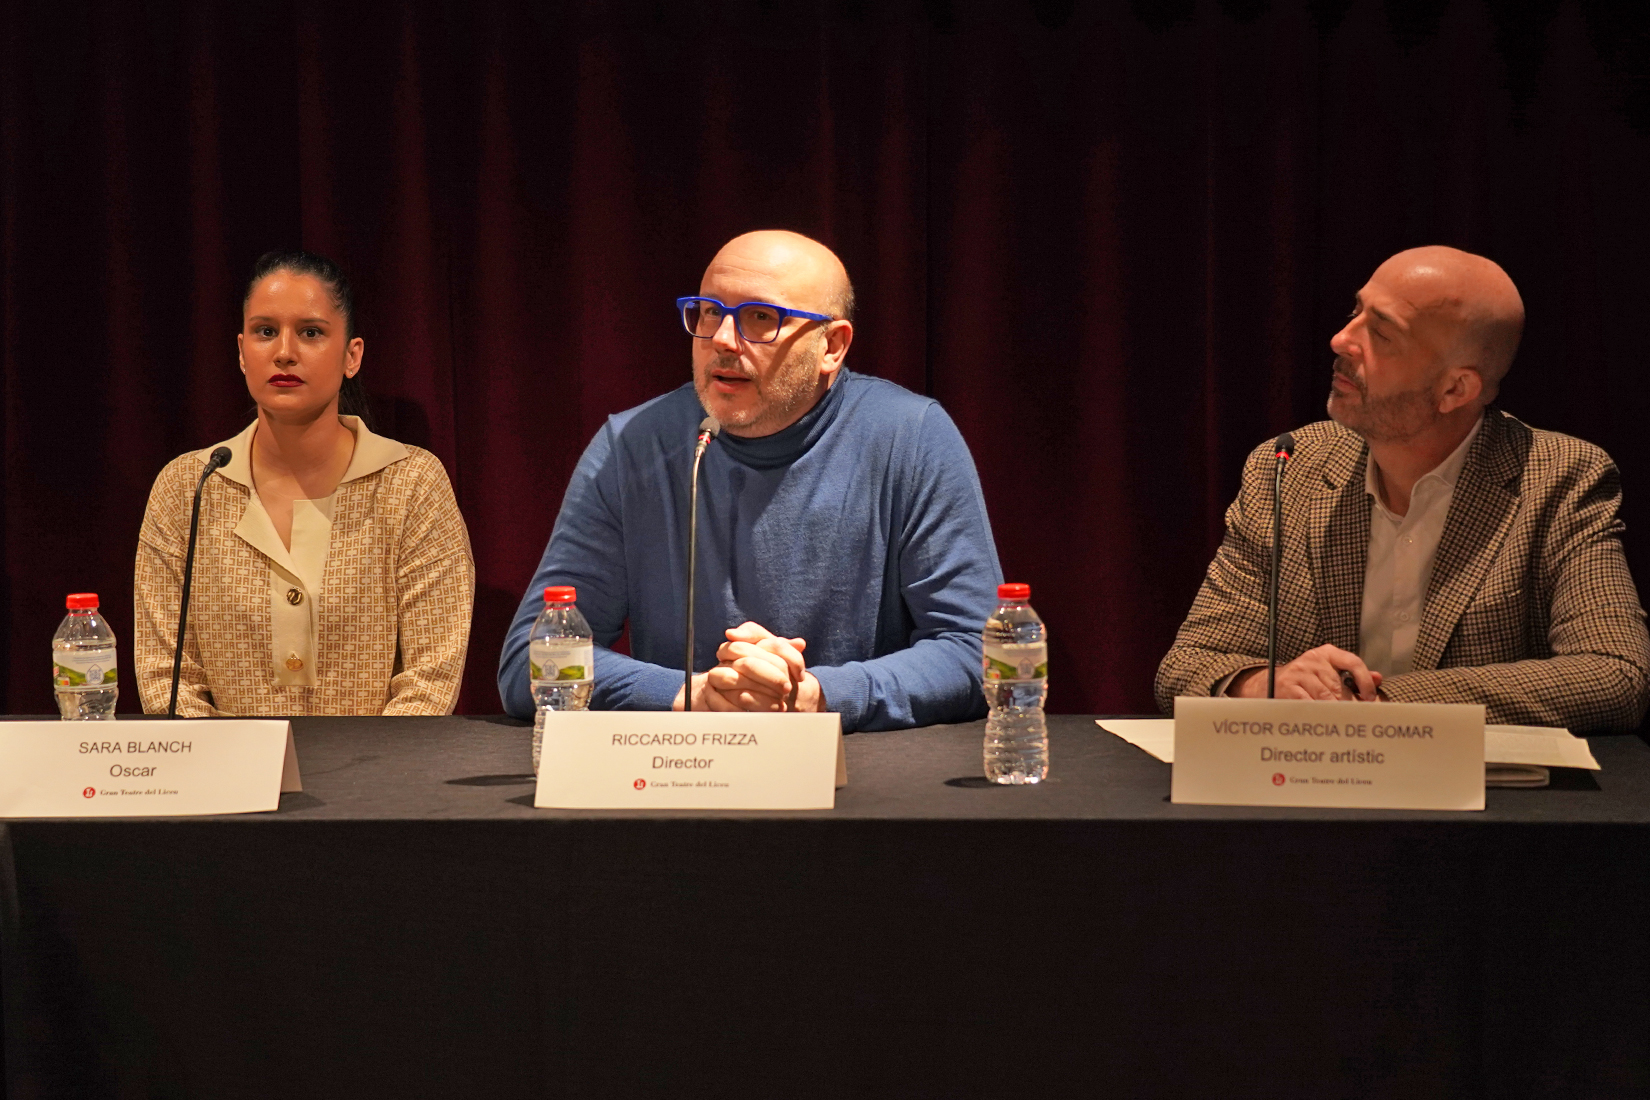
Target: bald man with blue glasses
(845,559)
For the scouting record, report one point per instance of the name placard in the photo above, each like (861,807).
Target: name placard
(630,760)
(146,767)
(1267,752)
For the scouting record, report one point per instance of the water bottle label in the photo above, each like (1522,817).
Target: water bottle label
(561,660)
(1017,661)
(83,669)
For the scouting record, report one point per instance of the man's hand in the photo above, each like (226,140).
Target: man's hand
(728,689)
(705,697)
(761,671)
(1315,674)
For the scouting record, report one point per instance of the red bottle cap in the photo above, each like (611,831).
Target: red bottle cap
(560,593)
(1014,591)
(79,601)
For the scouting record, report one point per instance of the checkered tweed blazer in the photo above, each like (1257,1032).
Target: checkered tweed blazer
(1531,609)
(393,610)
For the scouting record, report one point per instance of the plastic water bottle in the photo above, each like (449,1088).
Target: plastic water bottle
(561,660)
(1016,683)
(83,663)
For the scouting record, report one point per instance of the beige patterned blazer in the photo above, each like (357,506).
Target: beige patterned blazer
(392,609)
(1531,610)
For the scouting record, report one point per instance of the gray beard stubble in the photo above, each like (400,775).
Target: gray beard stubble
(787,392)
(1390,419)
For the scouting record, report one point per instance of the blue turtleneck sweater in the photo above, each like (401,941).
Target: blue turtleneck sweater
(860,528)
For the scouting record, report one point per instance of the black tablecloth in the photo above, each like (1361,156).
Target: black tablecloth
(411,926)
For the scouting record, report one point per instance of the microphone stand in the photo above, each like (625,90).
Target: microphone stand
(708,429)
(1285,450)
(219,458)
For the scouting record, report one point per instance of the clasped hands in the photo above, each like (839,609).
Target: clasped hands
(1327,673)
(758,671)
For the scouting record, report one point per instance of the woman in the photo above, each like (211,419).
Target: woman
(333,571)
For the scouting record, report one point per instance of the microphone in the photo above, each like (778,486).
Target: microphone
(219,459)
(709,427)
(1285,446)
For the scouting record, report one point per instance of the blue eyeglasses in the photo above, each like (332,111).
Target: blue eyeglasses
(756,322)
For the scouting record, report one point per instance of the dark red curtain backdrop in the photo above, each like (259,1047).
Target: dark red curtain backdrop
(1113,240)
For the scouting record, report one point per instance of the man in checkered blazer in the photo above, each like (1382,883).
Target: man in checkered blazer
(1435,549)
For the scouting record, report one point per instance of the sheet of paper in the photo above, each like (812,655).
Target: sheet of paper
(1516,775)
(1153,735)
(1549,748)
(1526,745)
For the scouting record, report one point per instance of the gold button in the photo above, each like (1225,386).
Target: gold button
(294,597)
(295,663)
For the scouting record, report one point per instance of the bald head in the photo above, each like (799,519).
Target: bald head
(1467,301)
(801,272)
(758,383)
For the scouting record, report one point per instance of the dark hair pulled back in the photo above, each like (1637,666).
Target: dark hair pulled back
(352,396)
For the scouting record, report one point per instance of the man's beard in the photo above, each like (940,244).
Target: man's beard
(780,400)
(1390,419)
